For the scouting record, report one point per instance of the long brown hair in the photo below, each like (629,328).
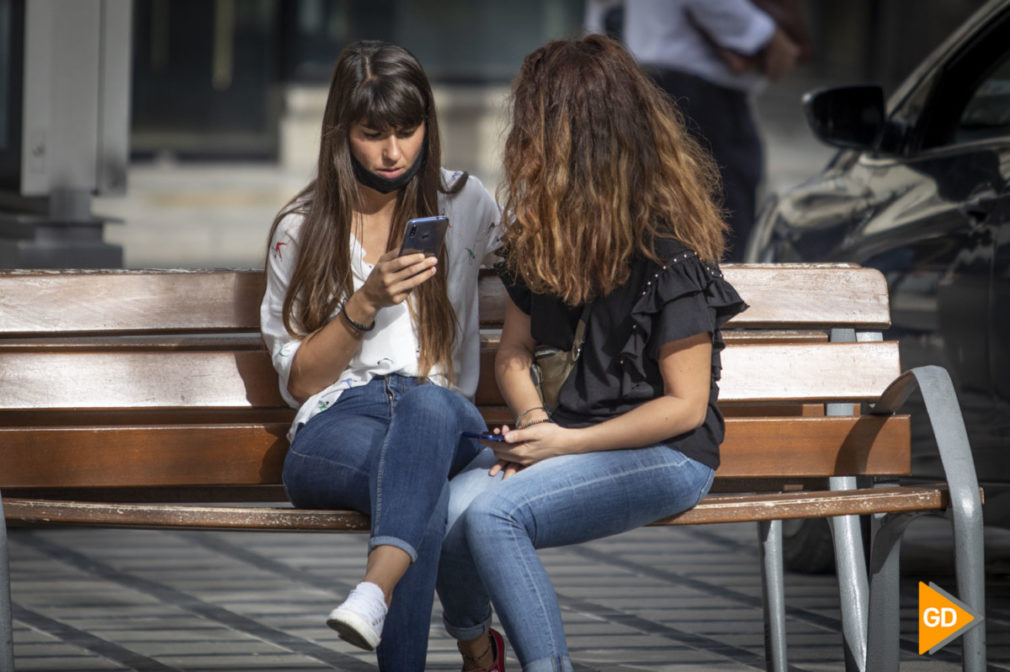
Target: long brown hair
(598,166)
(383,86)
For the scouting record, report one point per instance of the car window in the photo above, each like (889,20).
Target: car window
(969,94)
(987,114)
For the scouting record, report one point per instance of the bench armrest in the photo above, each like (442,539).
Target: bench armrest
(947,423)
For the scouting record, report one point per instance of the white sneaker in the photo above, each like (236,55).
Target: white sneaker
(359,619)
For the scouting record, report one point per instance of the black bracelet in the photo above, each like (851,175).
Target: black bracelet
(354,325)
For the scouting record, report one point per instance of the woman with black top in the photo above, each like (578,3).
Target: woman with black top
(612,218)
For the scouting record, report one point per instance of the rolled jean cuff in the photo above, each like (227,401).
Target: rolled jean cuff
(393,541)
(552,664)
(469,632)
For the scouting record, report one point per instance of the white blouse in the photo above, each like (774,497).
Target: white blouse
(392,347)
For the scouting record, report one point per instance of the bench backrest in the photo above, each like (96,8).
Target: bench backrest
(57,303)
(160,378)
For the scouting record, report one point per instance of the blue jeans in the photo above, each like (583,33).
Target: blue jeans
(489,555)
(388,449)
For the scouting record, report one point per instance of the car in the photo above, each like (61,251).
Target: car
(919,190)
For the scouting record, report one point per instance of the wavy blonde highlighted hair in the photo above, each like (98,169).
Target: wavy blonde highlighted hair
(597,167)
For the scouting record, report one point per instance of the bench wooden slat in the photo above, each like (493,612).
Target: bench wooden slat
(712,509)
(103,380)
(822,295)
(813,447)
(116,301)
(186,516)
(43,302)
(836,371)
(251,340)
(143,456)
(790,505)
(246,379)
(188,494)
(253,454)
(232,340)
(40,302)
(782,296)
(774,335)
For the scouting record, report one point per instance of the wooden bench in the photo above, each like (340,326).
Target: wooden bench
(146,399)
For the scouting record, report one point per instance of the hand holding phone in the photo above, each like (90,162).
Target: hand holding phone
(424,234)
(486,436)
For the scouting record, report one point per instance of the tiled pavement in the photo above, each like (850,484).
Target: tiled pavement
(653,599)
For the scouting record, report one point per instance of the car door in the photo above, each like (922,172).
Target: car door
(937,257)
(929,206)
(985,122)
(938,230)
(994,462)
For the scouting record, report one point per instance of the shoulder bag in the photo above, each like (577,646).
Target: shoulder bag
(551,366)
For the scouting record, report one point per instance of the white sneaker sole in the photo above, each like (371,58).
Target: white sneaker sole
(353,629)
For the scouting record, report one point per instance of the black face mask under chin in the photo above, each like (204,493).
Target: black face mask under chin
(382,184)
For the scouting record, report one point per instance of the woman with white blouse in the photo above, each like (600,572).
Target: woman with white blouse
(380,352)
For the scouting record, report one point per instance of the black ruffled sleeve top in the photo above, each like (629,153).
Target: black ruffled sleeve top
(618,368)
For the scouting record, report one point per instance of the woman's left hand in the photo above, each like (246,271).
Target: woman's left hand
(523,447)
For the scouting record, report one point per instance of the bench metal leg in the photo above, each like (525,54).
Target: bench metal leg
(846,533)
(853,588)
(6,627)
(773,594)
(884,634)
(970,566)
(966,505)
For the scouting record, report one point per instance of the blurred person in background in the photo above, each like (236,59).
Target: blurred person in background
(711,56)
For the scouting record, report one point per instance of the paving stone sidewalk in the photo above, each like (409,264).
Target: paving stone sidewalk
(659,599)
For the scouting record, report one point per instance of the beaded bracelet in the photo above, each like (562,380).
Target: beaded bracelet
(351,323)
(354,333)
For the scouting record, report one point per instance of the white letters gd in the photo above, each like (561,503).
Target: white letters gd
(934,617)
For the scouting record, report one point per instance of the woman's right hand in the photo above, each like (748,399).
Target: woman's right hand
(393,278)
(327,352)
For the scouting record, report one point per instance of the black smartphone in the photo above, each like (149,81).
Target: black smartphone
(487,436)
(424,234)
